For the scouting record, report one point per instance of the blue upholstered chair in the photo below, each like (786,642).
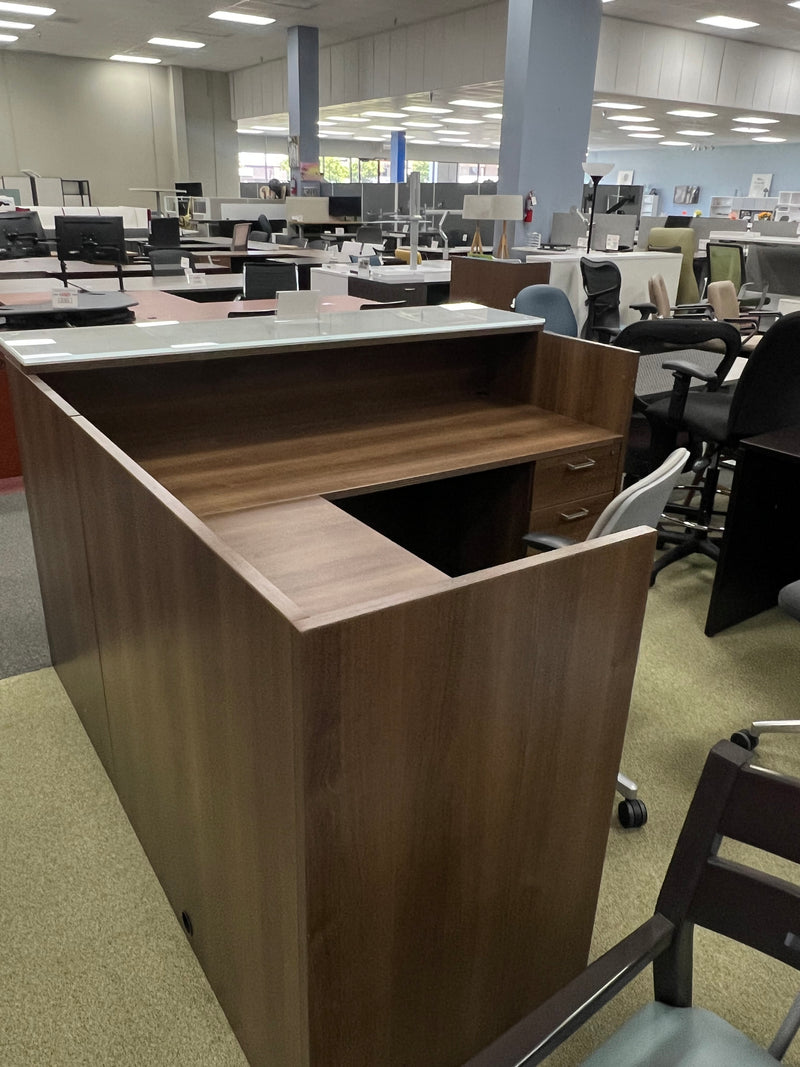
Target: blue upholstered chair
(548,303)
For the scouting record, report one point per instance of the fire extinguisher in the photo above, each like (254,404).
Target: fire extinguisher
(530,203)
(293,190)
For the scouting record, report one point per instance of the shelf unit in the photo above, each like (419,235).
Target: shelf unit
(722,206)
(788,207)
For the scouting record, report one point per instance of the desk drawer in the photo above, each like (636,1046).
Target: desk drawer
(576,475)
(570,520)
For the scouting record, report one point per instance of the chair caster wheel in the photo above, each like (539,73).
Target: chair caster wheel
(744,739)
(631,813)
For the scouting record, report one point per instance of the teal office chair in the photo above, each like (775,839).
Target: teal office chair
(551,304)
(741,901)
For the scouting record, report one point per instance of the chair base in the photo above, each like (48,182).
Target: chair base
(699,542)
(749,738)
(631,811)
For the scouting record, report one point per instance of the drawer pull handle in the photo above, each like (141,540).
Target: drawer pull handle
(573,516)
(585,465)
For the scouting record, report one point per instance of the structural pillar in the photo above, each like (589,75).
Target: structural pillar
(551,55)
(303,65)
(397,158)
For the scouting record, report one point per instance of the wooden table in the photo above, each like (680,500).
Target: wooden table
(369,748)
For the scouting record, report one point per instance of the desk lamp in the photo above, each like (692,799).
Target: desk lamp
(596,171)
(498,207)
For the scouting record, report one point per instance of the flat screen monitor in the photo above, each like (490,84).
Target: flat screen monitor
(679,221)
(241,232)
(200,208)
(165,232)
(21,233)
(189,188)
(344,207)
(100,239)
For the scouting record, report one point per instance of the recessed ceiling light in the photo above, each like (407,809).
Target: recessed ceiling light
(423,125)
(336,133)
(235,16)
(769,140)
(619,107)
(8,37)
(629,118)
(417,140)
(16,25)
(325,122)
(362,137)
(345,118)
(746,129)
(657,136)
(28,9)
(465,122)
(472,103)
(696,133)
(428,110)
(725,22)
(794,3)
(377,126)
(688,113)
(384,114)
(674,144)
(639,129)
(135,59)
(272,129)
(168,42)
(754,118)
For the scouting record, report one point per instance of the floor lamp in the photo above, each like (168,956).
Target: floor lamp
(501,207)
(596,171)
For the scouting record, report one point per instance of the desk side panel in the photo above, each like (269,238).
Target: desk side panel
(493,282)
(460,759)
(46,442)
(197,669)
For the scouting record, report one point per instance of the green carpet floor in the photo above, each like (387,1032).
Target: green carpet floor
(94,968)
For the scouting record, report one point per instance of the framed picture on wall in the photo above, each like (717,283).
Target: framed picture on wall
(625,177)
(686,194)
(760,184)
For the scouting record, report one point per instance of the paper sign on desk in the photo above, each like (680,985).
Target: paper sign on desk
(612,242)
(194,279)
(582,242)
(65,298)
(298,304)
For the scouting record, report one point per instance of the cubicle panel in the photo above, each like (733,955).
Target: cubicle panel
(646,224)
(621,227)
(460,752)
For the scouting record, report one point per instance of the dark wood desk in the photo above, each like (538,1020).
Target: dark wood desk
(369,748)
(759,552)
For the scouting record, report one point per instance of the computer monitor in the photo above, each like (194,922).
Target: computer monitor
(21,234)
(241,233)
(344,207)
(189,188)
(97,240)
(165,232)
(169,204)
(200,208)
(678,221)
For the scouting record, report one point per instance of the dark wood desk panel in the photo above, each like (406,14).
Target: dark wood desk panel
(493,282)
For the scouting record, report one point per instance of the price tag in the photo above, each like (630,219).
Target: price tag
(195,279)
(65,298)
(582,242)
(612,242)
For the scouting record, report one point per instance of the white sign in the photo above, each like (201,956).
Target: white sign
(612,242)
(298,304)
(65,298)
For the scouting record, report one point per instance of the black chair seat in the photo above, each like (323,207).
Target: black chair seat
(705,414)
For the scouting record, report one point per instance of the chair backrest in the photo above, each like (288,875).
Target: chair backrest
(165,261)
(317,244)
(260,236)
(767,396)
(723,300)
(663,238)
(657,291)
(297,242)
(667,336)
(642,503)
(369,234)
(551,304)
(602,282)
(740,900)
(404,255)
(725,262)
(262,225)
(262,280)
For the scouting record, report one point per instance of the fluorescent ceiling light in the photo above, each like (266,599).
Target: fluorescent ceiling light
(769,140)
(362,137)
(629,118)
(428,110)
(377,126)
(16,25)
(493,115)
(619,107)
(135,59)
(688,113)
(674,144)
(416,140)
(272,129)
(746,129)
(337,133)
(423,125)
(235,16)
(465,122)
(28,9)
(794,3)
(472,103)
(8,37)
(345,118)
(324,122)
(472,144)
(696,133)
(657,136)
(754,118)
(384,114)
(725,22)
(168,42)
(639,129)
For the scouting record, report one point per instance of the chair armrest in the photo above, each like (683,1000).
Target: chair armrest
(532,1039)
(704,311)
(683,374)
(690,370)
(644,309)
(547,542)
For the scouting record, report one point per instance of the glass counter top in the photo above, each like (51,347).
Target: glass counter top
(75,349)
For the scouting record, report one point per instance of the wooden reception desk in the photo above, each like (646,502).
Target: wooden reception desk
(369,749)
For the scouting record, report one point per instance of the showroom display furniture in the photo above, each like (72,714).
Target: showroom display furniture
(493,282)
(551,304)
(343,713)
(602,282)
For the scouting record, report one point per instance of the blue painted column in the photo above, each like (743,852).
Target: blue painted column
(551,55)
(397,157)
(303,64)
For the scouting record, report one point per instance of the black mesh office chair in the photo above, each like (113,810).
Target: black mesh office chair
(369,235)
(296,242)
(602,282)
(766,397)
(262,225)
(166,261)
(264,279)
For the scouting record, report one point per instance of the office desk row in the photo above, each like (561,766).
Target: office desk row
(369,748)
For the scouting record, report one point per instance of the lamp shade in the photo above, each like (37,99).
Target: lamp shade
(597,170)
(500,207)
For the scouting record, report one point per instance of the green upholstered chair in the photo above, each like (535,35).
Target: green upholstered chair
(683,239)
(742,901)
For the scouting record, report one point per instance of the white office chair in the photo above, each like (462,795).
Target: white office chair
(641,504)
